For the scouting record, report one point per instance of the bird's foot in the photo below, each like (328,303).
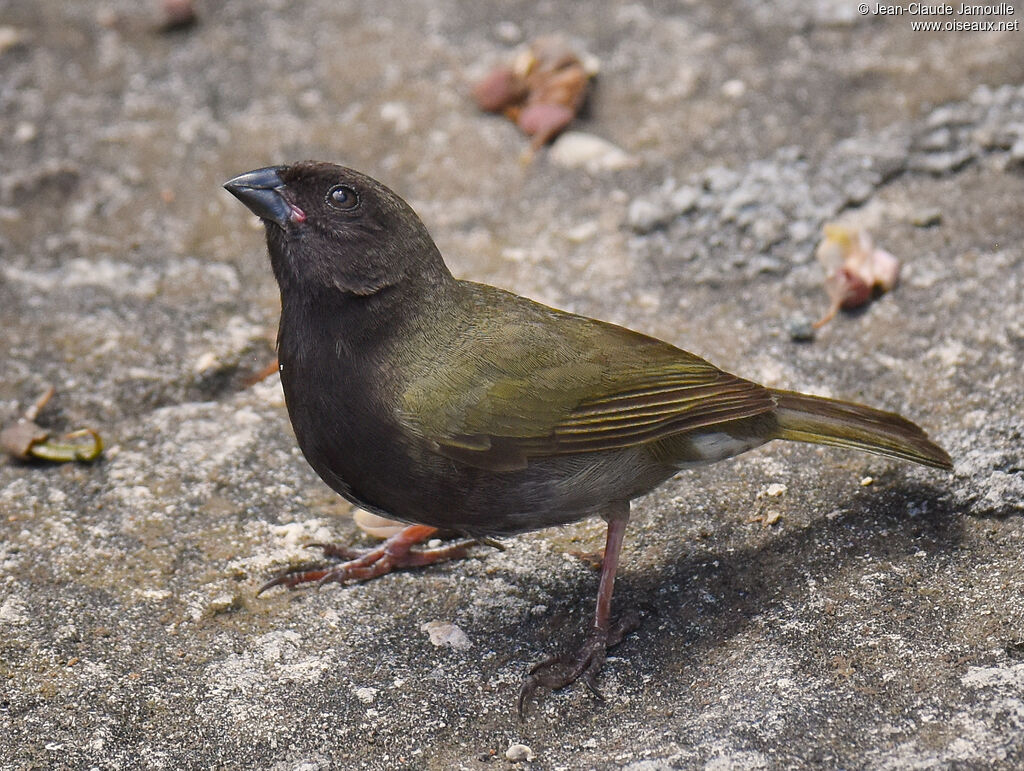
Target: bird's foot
(557,672)
(260,375)
(395,553)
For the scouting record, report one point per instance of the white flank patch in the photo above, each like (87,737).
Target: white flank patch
(719,445)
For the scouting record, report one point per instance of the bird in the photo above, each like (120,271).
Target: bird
(455,406)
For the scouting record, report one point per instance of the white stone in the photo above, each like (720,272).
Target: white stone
(576,149)
(445,633)
(517,753)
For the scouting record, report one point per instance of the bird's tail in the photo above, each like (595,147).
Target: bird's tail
(815,419)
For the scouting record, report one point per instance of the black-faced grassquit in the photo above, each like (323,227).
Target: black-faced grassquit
(453,405)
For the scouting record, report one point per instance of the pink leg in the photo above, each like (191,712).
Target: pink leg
(363,564)
(559,671)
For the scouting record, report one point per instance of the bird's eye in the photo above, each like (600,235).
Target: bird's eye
(343,197)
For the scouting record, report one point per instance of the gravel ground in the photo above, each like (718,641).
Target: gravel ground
(795,615)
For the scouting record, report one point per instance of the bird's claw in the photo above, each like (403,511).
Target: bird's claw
(292,578)
(364,564)
(556,672)
(337,551)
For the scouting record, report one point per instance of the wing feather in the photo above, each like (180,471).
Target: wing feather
(567,385)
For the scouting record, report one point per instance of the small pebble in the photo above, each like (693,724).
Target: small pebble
(516,753)
(645,216)
(25,132)
(956,114)
(684,199)
(775,489)
(583,232)
(801,329)
(177,14)
(939,139)
(508,32)
(223,603)
(1017,153)
(9,38)
(719,179)
(801,230)
(941,163)
(866,481)
(445,633)
(925,218)
(734,89)
(396,114)
(366,695)
(206,362)
(576,149)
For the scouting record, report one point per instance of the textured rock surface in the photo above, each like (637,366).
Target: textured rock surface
(831,624)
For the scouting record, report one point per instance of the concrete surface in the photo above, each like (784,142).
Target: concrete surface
(833,625)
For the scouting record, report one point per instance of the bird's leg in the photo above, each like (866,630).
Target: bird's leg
(261,375)
(363,564)
(559,671)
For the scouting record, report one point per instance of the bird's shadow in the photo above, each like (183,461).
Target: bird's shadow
(701,601)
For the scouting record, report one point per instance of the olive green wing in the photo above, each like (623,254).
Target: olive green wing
(565,386)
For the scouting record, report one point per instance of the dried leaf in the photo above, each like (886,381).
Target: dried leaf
(855,269)
(25,440)
(542,91)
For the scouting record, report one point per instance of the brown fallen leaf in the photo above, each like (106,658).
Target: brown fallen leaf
(25,440)
(855,269)
(541,92)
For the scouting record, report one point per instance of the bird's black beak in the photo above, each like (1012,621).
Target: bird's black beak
(260,190)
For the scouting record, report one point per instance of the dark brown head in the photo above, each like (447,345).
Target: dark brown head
(329,227)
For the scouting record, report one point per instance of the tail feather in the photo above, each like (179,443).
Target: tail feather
(815,419)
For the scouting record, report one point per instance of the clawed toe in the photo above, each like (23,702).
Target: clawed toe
(317,574)
(292,578)
(337,551)
(363,564)
(557,672)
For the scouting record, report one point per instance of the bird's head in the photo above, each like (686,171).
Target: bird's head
(330,227)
